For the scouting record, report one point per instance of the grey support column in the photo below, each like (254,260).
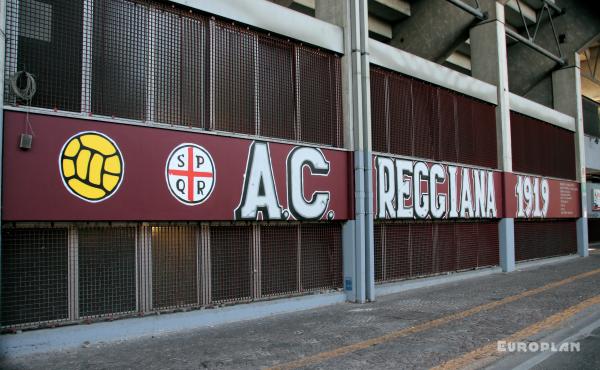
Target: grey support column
(489,64)
(566,91)
(3,6)
(358,233)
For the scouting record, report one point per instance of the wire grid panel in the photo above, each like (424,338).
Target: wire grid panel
(107,271)
(448,131)
(178,48)
(174,266)
(233,51)
(446,247)
(34,276)
(465,132)
(398,251)
(379,111)
(149,61)
(231,263)
(425,119)
(541,148)
(120,55)
(414,118)
(279,259)
(319,94)
(32,43)
(378,246)
(276,88)
(321,256)
(467,243)
(409,249)
(548,238)
(488,253)
(421,244)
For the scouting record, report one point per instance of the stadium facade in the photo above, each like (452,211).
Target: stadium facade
(191,154)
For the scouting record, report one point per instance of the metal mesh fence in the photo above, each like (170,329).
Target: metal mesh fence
(321,256)
(107,283)
(52,276)
(414,118)
(34,276)
(541,148)
(413,249)
(547,238)
(32,45)
(279,259)
(174,266)
(148,61)
(231,250)
(319,97)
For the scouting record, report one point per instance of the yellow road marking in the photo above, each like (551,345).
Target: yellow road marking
(487,354)
(340,351)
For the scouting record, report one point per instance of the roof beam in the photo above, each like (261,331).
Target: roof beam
(459,59)
(285,3)
(400,6)
(380,27)
(528,12)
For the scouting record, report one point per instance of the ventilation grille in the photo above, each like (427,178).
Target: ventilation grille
(413,249)
(414,118)
(53,276)
(548,238)
(542,149)
(149,61)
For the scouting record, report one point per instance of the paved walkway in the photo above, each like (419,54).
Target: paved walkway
(448,326)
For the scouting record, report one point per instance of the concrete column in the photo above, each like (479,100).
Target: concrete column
(3,6)
(566,91)
(489,64)
(358,233)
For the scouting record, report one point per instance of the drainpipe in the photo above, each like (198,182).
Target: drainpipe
(363,162)
(367,150)
(2,56)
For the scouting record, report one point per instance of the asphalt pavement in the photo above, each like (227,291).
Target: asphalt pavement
(454,325)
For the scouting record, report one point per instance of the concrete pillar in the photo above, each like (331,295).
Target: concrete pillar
(566,89)
(358,233)
(488,63)
(3,6)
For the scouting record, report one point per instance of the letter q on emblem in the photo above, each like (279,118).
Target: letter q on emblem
(190,174)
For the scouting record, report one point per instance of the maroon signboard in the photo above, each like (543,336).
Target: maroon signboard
(412,189)
(95,171)
(529,196)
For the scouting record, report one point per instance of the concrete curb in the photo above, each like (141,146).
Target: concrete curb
(545,261)
(402,286)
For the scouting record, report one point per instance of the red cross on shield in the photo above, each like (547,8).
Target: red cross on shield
(190,174)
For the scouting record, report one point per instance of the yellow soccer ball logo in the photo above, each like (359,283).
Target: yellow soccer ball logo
(91,166)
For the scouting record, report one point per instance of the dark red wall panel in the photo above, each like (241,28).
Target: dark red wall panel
(541,148)
(539,239)
(417,119)
(408,249)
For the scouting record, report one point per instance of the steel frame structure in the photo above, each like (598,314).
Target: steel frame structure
(528,41)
